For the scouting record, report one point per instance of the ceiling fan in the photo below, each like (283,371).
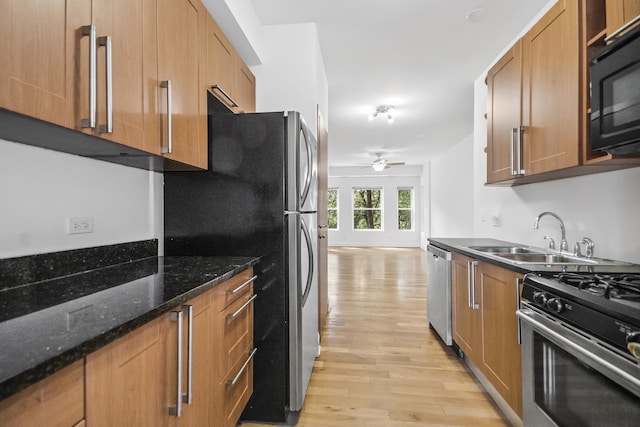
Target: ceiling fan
(381,164)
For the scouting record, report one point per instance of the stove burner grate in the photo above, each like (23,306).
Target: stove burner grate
(610,286)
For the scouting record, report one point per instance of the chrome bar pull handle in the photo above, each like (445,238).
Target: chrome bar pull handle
(176,410)
(621,29)
(469,284)
(518,326)
(512,152)
(188,396)
(106,42)
(166,84)
(90,30)
(235,379)
(474,306)
(519,170)
(244,285)
(233,103)
(242,308)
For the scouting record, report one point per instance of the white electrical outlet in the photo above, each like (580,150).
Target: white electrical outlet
(496,220)
(79,225)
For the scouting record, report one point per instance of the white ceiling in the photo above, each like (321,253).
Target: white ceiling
(422,56)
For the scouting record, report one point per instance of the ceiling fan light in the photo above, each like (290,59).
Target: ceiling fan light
(378,167)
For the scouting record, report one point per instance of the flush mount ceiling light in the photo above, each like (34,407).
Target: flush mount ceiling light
(383,109)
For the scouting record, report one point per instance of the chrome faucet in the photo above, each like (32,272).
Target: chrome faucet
(564,246)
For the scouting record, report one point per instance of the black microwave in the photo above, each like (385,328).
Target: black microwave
(615,96)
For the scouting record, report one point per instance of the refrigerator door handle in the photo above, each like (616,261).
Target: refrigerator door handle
(308,177)
(307,239)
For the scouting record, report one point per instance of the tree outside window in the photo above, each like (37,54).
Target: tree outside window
(367,209)
(332,209)
(405,208)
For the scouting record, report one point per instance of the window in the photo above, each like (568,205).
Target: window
(332,209)
(367,209)
(405,208)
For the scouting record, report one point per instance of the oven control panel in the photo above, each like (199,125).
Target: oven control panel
(600,325)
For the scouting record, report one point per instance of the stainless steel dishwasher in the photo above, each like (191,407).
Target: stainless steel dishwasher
(439,291)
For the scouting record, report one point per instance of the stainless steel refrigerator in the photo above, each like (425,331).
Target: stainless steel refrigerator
(259,198)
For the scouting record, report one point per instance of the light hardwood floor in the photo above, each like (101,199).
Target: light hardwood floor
(381,365)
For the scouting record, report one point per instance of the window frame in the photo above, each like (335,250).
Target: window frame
(354,209)
(336,209)
(410,209)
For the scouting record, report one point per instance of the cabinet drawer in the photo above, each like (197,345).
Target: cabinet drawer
(56,401)
(236,394)
(234,288)
(234,333)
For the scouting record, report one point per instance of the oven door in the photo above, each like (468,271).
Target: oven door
(570,379)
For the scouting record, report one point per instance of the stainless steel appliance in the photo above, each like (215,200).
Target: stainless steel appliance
(439,292)
(580,349)
(259,198)
(615,96)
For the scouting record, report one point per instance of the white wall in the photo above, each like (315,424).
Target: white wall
(292,76)
(451,191)
(346,178)
(40,189)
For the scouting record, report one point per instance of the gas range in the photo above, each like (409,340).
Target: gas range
(604,305)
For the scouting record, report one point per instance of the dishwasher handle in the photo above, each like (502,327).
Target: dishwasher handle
(437,252)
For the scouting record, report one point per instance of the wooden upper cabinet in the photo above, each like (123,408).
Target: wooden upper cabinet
(228,77)
(504,84)
(619,12)
(220,64)
(551,90)
(41,54)
(245,87)
(181,61)
(134,67)
(534,100)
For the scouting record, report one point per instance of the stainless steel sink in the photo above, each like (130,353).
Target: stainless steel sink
(506,249)
(516,254)
(546,258)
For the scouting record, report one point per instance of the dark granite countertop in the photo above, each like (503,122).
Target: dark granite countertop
(461,245)
(47,325)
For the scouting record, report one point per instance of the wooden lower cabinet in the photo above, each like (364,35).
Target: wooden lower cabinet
(500,360)
(57,401)
(233,371)
(465,319)
(134,380)
(484,300)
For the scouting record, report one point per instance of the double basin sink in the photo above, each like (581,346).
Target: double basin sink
(528,255)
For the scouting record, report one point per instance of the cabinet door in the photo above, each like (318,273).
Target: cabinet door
(500,360)
(125,380)
(551,90)
(131,24)
(245,87)
(619,12)
(56,401)
(466,330)
(42,59)
(181,60)
(504,84)
(196,413)
(220,63)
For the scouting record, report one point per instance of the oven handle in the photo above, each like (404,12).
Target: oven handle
(549,328)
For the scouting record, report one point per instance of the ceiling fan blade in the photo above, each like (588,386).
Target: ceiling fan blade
(395,164)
